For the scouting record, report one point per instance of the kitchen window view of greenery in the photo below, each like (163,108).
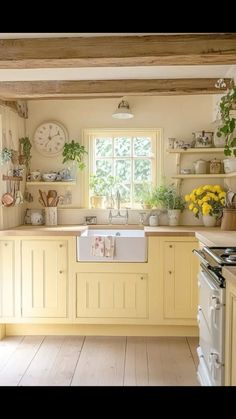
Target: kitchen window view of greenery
(124,163)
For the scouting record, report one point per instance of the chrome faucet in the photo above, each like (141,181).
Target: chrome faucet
(118,214)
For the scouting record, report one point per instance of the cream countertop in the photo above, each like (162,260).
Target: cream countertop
(217,237)
(75,230)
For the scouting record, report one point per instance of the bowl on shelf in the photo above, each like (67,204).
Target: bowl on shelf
(49,177)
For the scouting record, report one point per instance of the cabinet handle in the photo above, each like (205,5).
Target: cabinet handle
(60,272)
(61,245)
(170,246)
(5,244)
(170,272)
(141,277)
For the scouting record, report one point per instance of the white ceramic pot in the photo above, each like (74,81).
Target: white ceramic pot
(153,220)
(209,220)
(174,216)
(230,165)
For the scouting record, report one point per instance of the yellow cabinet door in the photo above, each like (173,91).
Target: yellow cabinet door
(111,295)
(180,280)
(7,278)
(230,344)
(44,278)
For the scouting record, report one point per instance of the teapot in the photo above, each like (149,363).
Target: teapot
(200,166)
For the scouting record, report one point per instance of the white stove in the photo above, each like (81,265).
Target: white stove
(211,313)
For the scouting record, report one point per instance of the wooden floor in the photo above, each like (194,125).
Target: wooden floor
(98,361)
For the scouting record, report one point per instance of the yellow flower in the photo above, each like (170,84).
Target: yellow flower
(206,198)
(222,194)
(199,191)
(192,197)
(206,187)
(191,206)
(195,211)
(217,188)
(187,198)
(222,201)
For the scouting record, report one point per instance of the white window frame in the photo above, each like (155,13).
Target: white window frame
(88,141)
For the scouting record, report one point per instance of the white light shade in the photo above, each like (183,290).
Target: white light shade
(123,111)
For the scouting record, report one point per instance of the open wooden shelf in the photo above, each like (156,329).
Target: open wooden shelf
(19,178)
(40,183)
(196,150)
(207,175)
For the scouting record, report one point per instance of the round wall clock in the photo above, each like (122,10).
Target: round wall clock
(49,138)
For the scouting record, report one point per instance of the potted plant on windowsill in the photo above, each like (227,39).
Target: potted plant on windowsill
(73,154)
(168,197)
(98,187)
(228,121)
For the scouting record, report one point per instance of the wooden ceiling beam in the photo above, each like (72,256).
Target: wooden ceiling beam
(119,51)
(106,88)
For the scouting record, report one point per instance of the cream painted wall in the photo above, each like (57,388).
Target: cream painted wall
(10,121)
(178,116)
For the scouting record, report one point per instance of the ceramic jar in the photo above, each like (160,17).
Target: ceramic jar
(173,217)
(50,216)
(215,166)
(153,220)
(36,218)
(200,166)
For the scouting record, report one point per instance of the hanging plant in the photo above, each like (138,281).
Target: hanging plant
(228,122)
(25,156)
(6,155)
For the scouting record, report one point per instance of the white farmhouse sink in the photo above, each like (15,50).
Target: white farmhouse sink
(130,246)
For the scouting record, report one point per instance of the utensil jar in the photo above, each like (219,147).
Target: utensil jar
(50,216)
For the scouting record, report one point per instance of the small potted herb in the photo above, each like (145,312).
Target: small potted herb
(6,155)
(168,198)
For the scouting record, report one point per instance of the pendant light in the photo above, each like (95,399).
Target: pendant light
(123,111)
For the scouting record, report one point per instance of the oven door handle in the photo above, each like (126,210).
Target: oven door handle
(201,256)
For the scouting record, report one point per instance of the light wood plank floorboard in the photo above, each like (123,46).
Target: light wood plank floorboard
(7,347)
(101,362)
(55,362)
(170,362)
(98,361)
(136,362)
(193,344)
(16,366)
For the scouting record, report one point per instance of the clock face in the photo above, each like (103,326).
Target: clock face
(49,138)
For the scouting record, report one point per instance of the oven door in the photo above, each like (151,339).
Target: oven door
(212,306)
(211,368)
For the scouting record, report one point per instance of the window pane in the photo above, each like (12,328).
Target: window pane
(103,147)
(124,190)
(122,146)
(138,189)
(142,146)
(142,170)
(123,170)
(103,168)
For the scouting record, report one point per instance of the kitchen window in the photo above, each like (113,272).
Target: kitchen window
(130,157)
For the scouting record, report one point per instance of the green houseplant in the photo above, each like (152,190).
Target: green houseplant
(73,154)
(227,126)
(25,156)
(146,196)
(168,197)
(98,187)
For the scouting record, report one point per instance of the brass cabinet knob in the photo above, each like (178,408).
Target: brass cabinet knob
(60,272)
(61,245)
(170,272)
(5,244)
(170,246)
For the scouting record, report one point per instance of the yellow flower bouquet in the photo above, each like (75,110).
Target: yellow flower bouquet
(206,200)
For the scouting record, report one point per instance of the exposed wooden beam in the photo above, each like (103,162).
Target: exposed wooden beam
(118,51)
(106,88)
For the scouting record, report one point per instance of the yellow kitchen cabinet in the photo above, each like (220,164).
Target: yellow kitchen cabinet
(44,278)
(7,278)
(230,342)
(180,268)
(112,295)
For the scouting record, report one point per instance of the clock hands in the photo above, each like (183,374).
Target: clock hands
(51,137)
